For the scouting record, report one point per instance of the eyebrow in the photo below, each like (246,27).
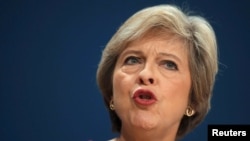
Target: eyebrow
(170,55)
(137,52)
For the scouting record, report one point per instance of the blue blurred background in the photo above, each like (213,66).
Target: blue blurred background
(49,51)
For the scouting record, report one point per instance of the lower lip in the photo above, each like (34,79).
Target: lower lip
(144,102)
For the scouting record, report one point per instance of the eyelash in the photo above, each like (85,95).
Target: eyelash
(135,60)
(173,65)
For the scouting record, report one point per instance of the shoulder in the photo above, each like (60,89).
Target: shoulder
(114,139)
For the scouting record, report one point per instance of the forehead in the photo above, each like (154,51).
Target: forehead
(154,38)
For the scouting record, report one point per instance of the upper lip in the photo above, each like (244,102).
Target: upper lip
(144,93)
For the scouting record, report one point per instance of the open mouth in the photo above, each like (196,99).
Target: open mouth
(144,97)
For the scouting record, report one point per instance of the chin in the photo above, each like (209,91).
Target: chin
(147,126)
(145,122)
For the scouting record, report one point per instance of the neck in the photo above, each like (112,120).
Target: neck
(133,134)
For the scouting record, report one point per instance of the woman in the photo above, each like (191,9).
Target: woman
(157,73)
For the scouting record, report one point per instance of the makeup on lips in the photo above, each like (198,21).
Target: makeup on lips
(144,97)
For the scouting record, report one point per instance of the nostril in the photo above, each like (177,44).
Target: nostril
(151,80)
(147,81)
(141,81)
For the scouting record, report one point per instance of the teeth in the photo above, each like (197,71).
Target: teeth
(145,96)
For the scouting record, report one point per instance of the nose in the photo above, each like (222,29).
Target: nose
(147,76)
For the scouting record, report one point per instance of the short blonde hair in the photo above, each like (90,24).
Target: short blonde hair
(202,53)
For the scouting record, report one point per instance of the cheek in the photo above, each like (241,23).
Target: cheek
(121,92)
(120,84)
(177,96)
(181,97)
(182,93)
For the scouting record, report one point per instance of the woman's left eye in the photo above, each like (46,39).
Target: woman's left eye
(170,65)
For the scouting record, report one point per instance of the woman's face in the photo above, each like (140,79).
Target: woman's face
(151,84)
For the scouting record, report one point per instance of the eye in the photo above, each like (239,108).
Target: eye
(131,60)
(170,65)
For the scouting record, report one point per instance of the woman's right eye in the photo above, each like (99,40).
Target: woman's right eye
(131,60)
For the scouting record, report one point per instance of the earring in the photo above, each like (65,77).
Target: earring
(189,111)
(111,105)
